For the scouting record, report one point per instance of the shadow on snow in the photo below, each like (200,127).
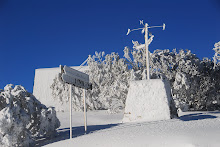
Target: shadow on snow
(64,133)
(196,116)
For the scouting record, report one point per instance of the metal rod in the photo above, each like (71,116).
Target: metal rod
(136,29)
(155,27)
(147,52)
(85,114)
(70,100)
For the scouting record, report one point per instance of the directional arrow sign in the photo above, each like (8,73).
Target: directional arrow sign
(75,77)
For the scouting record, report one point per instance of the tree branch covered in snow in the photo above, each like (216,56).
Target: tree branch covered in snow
(109,76)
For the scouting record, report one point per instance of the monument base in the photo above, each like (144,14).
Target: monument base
(149,100)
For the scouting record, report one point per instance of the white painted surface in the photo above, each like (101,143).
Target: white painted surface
(43,80)
(147,100)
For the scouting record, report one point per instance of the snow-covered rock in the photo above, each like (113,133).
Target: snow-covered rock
(149,100)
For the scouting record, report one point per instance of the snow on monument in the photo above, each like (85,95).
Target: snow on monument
(148,100)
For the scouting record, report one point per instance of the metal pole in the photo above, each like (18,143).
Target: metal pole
(85,115)
(147,52)
(70,100)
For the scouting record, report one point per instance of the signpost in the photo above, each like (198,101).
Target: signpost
(78,79)
(75,77)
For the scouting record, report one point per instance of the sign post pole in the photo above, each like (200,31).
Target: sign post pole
(85,114)
(70,100)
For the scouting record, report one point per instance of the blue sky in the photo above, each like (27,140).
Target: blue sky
(47,33)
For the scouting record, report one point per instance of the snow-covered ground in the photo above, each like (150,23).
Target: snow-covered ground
(192,129)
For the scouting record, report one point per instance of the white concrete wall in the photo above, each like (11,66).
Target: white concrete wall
(43,80)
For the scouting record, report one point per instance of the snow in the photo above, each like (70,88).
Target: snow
(43,80)
(192,129)
(147,100)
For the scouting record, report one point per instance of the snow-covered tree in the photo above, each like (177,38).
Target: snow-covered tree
(216,57)
(109,76)
(23,117)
